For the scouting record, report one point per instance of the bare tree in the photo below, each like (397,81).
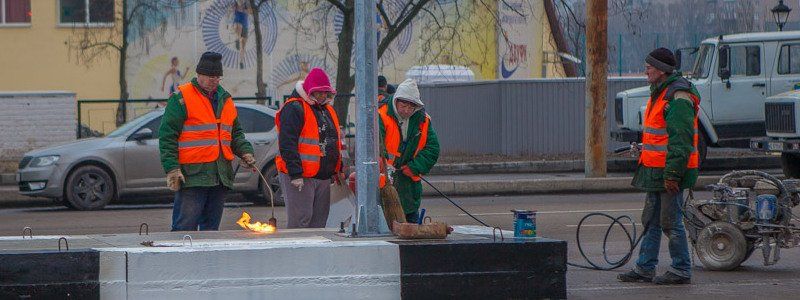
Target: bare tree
(88,44)
(261,87)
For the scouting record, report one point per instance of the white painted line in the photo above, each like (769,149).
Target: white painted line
(695,286)
(602,225)
(559,212)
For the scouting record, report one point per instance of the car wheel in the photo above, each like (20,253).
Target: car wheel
(790,163)
(271,174)
(89,188)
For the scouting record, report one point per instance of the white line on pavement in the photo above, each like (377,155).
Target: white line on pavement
(559,212)
(601,225)
(767,282)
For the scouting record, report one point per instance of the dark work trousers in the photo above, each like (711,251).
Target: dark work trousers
(198,208)
(309,207)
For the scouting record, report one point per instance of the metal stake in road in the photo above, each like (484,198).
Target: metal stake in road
(370,220)
(596,88)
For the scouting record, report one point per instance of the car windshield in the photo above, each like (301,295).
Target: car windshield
(128,126)
(702,64)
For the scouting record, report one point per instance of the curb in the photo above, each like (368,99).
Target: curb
(542,186)
(614,165)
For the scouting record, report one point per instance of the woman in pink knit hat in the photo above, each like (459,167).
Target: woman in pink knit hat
(310,145)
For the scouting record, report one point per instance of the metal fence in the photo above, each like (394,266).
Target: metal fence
(98,117)
(515,117)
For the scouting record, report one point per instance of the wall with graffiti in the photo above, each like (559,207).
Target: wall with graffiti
(300,35)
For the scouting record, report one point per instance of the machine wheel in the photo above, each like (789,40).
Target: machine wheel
(790,162)
(721,246)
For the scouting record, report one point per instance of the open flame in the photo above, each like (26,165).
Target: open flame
(244,221)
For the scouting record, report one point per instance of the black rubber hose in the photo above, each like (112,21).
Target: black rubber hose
(633,239)
(454,203)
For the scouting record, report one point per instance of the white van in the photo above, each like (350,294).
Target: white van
(734,75)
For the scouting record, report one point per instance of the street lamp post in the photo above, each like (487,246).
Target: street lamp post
(781,14)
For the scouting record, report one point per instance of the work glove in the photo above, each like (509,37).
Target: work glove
(248,160)
(298,183)
(407,171)
(174,180)
(672,186)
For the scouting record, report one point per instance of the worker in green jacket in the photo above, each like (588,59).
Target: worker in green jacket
(668,164)
(409,145)
(198,138)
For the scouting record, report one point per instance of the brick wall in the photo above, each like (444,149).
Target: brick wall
(31,120)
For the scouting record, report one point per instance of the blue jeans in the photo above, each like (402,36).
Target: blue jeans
(672,208)
(198,207)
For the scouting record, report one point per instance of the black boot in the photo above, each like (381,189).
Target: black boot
(632,276)
(671,278)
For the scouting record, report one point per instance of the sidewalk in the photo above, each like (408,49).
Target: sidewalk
(471,185)
(544,183)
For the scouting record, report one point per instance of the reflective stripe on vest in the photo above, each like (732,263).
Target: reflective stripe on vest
(655,137)
(204,136)
(393,136)
(308,145)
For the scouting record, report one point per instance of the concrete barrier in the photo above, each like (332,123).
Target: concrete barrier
(294,264)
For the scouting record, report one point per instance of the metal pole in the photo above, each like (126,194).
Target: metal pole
(596,87)
(370,220)
(619,58)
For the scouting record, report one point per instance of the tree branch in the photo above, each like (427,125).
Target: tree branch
(338,5)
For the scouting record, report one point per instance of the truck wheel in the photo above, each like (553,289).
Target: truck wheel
(721,246)
(702,147)
(790,162)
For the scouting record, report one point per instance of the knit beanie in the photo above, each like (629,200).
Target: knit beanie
(381,81)
(662,59)
(210,64)
(317,81)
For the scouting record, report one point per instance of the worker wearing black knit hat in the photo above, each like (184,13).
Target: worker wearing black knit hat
(668,164)
(662,59)
(199,136)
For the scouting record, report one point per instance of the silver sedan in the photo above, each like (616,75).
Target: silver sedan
(89,173)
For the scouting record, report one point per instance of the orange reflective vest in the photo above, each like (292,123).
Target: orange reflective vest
(308,145)
(655,138)
(393,136)
(204,136)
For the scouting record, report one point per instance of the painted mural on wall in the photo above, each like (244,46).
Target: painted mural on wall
(298,36)
(516,42)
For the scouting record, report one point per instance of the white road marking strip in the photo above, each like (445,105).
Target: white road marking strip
(602,225)
(559,212)
(695,286)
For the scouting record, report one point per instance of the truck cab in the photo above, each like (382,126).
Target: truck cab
(734,75)
(783,136)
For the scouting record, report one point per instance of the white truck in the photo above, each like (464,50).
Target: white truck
(783,136)
(734,75)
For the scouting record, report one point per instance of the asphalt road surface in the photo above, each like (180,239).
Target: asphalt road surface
(558,218)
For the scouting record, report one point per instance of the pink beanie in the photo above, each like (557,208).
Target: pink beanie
(317,81)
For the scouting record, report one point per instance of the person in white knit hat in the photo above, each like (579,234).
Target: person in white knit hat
(408,143)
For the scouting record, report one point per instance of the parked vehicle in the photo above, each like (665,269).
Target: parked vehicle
(783,135)
(734,75)
(89,173)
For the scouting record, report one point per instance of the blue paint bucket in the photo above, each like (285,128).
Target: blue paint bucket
(766,208)
(524,223)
